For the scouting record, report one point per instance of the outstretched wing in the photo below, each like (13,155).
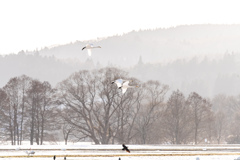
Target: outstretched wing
(124,89)
(126,83)
(119,82)
(89,52)
(125,148)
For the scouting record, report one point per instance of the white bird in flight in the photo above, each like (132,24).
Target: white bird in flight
(89,48)
(119,82)
(125,86)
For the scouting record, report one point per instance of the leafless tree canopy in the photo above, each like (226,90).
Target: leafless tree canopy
(26,108)
(87,107)
(101,111)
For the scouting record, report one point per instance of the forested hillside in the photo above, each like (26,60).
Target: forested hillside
(206,76)
(160,45)
(201,58)
(43,68)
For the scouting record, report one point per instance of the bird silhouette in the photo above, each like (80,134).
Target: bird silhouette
(125,148)
(125,86)
(119,82)
(89,48)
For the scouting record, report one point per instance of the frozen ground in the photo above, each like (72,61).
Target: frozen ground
(137,158)
(114,152)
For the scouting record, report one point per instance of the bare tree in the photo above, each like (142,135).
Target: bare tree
(46,110)
(4,118)
(40,110)
(66,128)
(210,127)
(126,114)
(24,85)
(67,131)
(201,110)
(223,116)
(177,119)
(16,91)
(34,99)
(96,103)
(154,94)
(234,134)
(219,124)
(12,91)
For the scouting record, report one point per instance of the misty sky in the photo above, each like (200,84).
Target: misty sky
(33,24)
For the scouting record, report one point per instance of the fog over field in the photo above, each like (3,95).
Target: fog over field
(200,58)
(120,80)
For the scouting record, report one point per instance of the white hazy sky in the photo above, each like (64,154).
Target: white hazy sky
(33,24)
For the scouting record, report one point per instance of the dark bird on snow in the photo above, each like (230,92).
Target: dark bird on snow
(54,157)
(125,148)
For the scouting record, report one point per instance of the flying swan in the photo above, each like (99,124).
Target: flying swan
(89,48)
(125,86)
(119,82)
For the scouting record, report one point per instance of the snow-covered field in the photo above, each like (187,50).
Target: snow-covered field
(136,158)
(113,152)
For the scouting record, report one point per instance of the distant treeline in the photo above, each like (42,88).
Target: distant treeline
(155,46)
(204,75)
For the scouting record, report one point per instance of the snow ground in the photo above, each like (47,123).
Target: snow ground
(113,152)
(137,158)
